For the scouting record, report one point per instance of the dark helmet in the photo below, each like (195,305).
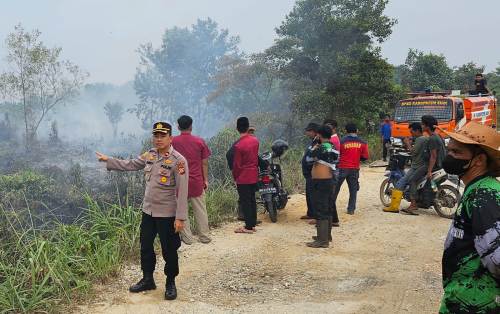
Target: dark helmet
(279,147)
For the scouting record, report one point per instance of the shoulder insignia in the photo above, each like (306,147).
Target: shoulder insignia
(144,156)
(181,167)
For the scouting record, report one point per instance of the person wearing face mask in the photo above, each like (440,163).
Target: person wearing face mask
(471,258)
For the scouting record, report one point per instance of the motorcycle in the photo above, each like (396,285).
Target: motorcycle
(443,197)
(271,190)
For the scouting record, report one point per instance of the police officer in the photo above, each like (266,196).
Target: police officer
(165,205)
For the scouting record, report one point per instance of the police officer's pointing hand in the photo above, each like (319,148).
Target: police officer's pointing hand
(101,157)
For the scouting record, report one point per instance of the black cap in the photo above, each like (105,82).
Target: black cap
(312,127)
(162,127)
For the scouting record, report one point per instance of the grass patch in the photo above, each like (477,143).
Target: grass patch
(41,268)
(222,203)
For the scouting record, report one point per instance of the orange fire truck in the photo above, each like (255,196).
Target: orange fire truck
(452,112)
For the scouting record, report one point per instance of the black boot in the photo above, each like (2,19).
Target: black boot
(330,225)
(170,290)
(322,237)
(146,283)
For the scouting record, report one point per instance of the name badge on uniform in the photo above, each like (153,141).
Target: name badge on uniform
(458,233)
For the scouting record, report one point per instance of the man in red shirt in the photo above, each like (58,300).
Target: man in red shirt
(335,138)
(196,152)
(246,174)
(352,150)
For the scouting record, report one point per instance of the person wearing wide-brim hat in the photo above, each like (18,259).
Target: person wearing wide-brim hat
(471,259)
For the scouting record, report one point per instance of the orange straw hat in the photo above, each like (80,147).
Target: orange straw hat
(481,135)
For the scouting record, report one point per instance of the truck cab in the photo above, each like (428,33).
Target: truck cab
(452,112)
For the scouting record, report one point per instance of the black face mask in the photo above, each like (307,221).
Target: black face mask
(456,166)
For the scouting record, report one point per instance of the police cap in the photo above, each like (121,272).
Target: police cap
(162,127)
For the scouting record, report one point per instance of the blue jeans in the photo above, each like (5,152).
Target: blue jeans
(411,177)
(352,178)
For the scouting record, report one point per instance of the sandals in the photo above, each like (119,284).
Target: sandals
(410,211)
(244,230)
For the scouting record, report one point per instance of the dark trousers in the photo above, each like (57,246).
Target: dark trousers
(169,240)
(384,149)
(310,209)
(333,206)
(246,193)
(322,198)
(352,178)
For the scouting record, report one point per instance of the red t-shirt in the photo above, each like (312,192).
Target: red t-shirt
(335,142)
(352,151)
(246,160)
(195,150)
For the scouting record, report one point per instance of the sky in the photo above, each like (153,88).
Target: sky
(102,36)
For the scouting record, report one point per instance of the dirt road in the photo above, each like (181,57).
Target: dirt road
(379,263)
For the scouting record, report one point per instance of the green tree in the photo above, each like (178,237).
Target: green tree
(114,111)
(422,71)
(39,80)
(179,76)
(463,76)
(326,55)
(493,79)
(249,85)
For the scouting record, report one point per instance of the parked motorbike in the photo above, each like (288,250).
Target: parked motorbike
(271,190)
(436,193)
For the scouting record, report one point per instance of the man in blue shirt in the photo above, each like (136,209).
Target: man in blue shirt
(385,131)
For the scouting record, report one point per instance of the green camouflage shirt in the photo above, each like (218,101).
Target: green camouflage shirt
(471,259)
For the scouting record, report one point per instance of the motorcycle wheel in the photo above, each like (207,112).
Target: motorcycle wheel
(447,199)
(385,192)
(272,210)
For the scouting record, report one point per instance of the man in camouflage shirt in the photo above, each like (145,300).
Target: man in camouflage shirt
(471,259)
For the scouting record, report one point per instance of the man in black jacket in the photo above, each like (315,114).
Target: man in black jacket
(311,132)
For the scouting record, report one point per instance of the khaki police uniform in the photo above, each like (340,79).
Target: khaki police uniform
(166,182)
(165,200)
